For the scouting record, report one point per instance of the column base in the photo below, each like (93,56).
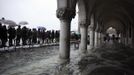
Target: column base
(82,55)
(90,47)
(82,51)
(63,61)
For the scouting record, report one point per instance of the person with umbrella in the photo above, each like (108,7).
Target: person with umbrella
(18,35)
(11,31)
(52,36)
(34,37)
(4,36)
(1,33)
(24,35)
(41,34)
(9,23)
(12,34)
(30,36)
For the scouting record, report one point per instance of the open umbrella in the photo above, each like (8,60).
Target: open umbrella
(23,23)
(41,28)
(10,23)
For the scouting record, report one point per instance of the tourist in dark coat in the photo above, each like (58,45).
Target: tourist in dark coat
(43,36)
(4,36)
(12,34)
(1,33)
(34,37)
(52,36)
(18,35)
(24,35)
(30,36)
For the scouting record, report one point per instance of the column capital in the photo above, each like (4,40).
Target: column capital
(90,27)
(83,24)
(65,13)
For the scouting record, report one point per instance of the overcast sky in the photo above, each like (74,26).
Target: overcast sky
(35,12)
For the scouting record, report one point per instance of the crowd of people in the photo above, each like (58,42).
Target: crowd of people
(25,36)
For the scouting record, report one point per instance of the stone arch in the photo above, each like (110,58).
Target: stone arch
(111,30)
(115,24)
(112,7)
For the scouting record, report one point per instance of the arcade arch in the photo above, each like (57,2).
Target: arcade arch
(94,18)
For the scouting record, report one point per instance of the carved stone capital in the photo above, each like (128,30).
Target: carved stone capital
(83,24)
(90,27)
(65,13)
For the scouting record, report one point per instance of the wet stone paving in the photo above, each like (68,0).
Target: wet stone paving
(109,59)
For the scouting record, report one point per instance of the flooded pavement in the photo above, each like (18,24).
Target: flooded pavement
(110,59)
(33,61)
(23,60)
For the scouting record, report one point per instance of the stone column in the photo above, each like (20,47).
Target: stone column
(64,39)
(102,38)
(83,44)
(126,37)
(118,35)
(91,39)
(129,36)
(122,38)
(96,40)
(65,16)
(99,39)
(132,46)
(125,40)
(132,38)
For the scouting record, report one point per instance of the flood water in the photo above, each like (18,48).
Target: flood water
(34,61)
(108,60)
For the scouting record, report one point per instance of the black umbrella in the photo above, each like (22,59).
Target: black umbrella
(10,23)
